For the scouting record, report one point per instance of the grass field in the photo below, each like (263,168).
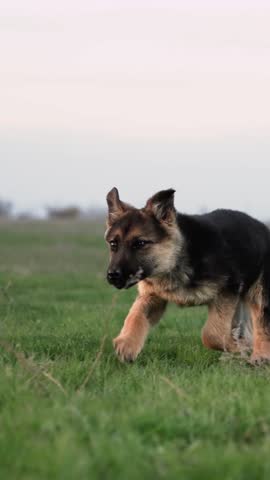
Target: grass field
(70,410)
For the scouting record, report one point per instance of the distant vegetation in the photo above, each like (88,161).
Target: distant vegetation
(67,212)
(5,209)
(70,212)
(73,212)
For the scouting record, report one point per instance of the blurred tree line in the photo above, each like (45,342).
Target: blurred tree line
(5,209)
(68,212)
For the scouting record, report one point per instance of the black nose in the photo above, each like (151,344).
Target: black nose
(115,277)
(114,274)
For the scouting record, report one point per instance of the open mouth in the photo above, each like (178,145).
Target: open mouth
(130,283)
(133,279)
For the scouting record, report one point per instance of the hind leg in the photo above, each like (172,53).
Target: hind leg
(242,330)
(260,315)
(217,332)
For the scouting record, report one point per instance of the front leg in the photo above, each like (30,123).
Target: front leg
(145,312)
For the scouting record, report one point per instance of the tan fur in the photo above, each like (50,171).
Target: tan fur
(146,311)
(181,295)
(217,332)
(261,339)
(167,251)
(165,254)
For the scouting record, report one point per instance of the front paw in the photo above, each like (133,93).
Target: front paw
(259,359)
(126,348)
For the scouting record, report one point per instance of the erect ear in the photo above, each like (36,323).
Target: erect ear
(116,208)
(162,206)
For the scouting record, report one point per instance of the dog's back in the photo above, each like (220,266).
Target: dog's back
(229,243)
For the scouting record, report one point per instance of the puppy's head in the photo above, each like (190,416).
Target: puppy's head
(143,242)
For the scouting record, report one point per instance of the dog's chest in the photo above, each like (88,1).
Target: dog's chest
(185,295)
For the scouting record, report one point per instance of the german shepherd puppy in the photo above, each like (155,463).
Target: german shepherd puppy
(220,259)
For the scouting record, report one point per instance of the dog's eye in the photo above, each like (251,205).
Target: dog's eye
(139,244)
(113,244)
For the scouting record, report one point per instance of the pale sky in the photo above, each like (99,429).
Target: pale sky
(142,95)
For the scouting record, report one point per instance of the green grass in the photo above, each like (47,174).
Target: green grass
(178,412)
